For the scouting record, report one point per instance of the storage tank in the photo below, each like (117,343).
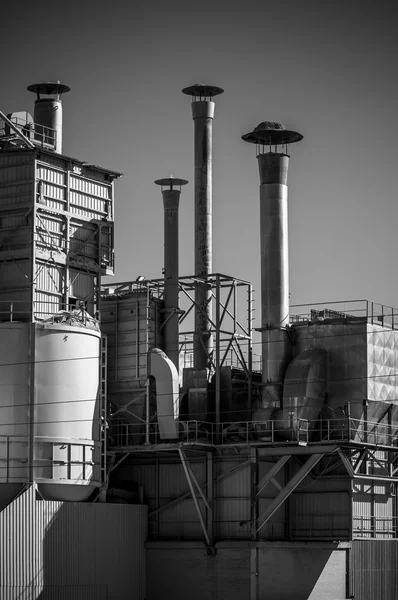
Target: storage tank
(67,412)
(49,429)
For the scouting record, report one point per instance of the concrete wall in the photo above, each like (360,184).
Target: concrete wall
(183,570)
(247,571)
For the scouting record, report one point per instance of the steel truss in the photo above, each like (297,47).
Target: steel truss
(361,465)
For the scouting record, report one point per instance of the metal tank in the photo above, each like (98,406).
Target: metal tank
(48,113)
(67,422)
(49,411)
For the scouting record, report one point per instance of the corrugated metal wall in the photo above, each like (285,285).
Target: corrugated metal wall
(316,510)
(374,569)
(374,510)
(68,550)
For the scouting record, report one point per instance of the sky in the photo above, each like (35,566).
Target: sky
(326,69)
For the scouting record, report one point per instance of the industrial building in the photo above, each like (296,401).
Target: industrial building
(144,452)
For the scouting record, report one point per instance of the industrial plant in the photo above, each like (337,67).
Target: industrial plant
(145,452)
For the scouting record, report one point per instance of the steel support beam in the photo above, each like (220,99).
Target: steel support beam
(194,498)
(287,490)
(271,474)
(347,463)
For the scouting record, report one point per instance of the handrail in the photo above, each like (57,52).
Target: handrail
(297,431)
(372,312)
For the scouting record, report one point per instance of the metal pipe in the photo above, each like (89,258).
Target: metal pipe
(171,191)
(203,115)
(48,113)
(273,170)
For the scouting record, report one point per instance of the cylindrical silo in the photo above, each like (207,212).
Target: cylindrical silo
(50,425)
(171,191)
(272,141)
(203,115)
(67,411)
(48,113)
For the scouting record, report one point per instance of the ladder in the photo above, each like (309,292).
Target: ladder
(103,408)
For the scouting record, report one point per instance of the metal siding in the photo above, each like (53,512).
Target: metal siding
(373,510)
(132,326)
(235,485)
(60,551)
(181,521)
(374,569)
(320,515)
(382,364)
(81,284)
(275,529)
(346,344)
(14,274)
(232,518)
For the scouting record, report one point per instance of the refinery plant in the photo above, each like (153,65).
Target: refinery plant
(146,453)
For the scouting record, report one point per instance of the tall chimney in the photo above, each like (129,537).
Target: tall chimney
(48,113)
(171,190)
(203,115)
(272,141)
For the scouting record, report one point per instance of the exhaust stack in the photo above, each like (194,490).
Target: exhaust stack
(48,113)
(171,190)
(203,115)
(272,141)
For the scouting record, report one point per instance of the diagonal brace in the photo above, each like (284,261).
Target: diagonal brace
(194,498)
(271,473)
(287,490)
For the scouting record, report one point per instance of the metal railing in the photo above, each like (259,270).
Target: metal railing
(46,137)
(372,527)
(47,311)
(366,310)
(295,431)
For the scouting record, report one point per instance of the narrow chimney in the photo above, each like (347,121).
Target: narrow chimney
(272,141)
(171,190)
(48,113)
(203,115)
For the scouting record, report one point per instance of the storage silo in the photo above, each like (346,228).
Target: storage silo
(56,241)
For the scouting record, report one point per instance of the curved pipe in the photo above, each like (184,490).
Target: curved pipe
(304,391)
(163,370)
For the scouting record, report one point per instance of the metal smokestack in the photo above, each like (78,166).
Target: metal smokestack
(171,190)
(272,141)
(203,114)
(48,113)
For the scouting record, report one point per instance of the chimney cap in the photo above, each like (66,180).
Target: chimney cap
(171,181)
(199,89)
(271,132)
(48,88)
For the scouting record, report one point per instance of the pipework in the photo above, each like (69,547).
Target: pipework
(171,191)
(203,115)
(272,145)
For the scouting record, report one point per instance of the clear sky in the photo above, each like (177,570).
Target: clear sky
(327,69)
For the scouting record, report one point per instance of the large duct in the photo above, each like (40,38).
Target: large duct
(273,169)
(48,113)
(171,190)
(203,114)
